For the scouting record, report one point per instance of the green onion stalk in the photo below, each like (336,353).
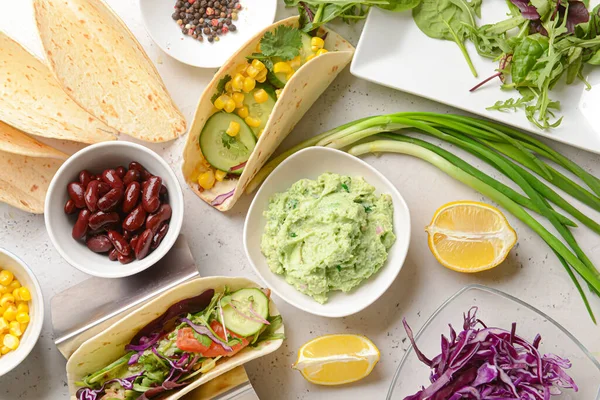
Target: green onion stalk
(506,149)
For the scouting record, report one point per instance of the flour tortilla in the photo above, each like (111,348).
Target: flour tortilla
(15,141)
(300,92)
(24,180)
(106,347)
(104,69)
(32,100)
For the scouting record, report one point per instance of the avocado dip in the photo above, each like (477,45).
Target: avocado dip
(328,234)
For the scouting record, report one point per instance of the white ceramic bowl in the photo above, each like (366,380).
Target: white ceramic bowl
(36,310)
(310,163)
(156,14)
(96,158)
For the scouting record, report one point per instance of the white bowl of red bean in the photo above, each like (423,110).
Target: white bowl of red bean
(205,33)
(114,209)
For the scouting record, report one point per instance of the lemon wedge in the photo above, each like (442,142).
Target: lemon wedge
(468,236)
(337,359)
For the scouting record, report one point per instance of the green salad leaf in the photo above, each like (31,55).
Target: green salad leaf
(220,88)
(285,42)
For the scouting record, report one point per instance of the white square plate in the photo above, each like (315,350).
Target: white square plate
(393,52)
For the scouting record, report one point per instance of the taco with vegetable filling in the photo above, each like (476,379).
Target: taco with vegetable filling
(175,343)
(253,102)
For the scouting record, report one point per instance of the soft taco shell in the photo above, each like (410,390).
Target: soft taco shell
(14,141)
(104,69)
(300,92)
(106,347)
(24,180)
(32,100)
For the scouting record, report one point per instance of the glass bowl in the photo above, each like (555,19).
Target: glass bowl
(500,310)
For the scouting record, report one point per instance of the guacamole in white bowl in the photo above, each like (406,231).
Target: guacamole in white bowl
(328,234)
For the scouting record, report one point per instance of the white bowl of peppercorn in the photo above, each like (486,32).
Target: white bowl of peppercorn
(114,209)
(205,33)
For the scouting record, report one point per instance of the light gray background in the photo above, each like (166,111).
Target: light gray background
(531,272)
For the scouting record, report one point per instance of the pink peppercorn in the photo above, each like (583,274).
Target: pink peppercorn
(214,22)
(225,29)
(210,11)
(191,1)
(190,31)
(238,6)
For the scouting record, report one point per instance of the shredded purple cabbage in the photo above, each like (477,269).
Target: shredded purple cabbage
(202,330)
(92,394)
(220,199)
(491,363)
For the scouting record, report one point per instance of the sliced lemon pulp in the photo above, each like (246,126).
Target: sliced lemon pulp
(337,359)
(468,236)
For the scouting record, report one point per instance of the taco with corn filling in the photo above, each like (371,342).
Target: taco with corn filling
(253,102)
(227,322)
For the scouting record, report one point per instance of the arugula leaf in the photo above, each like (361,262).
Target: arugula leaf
(511,104)
(269,331)
(220,88)
(285,42)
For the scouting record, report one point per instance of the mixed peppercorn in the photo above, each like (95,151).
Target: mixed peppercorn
(210,18)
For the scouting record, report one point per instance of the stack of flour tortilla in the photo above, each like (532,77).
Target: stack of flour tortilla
(96,83)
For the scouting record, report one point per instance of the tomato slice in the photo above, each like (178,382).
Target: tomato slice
(187,342)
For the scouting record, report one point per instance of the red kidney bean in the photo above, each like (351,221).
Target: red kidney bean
(113,255)
(132,175)
(154,220)
(159,235)
(85,177)
(131,197)
(142,247)
(145,175)
(99,244)
(135,220)
(91,196)
(101,219)
(119,242)
(121,171)
(103,188)
(76,192)
(125,259)
(70,207)
(110,176)
(150,199)
(133,242)
(81,225)
(127,235)
(110,200)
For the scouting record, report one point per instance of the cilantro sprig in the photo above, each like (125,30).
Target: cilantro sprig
(285,42)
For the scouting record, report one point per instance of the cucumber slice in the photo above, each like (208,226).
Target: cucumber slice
(306,49)
(242,299)
(221,150)
(278,80)
(260,110)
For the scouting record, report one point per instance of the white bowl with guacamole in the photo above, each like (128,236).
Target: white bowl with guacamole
(327,232)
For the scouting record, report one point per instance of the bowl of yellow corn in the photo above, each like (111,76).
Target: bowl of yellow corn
(21,311)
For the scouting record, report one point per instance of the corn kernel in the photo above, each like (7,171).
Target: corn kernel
(238,98)
(261,132)
(258,65)
(4,325)
(296,62)
(2,309)
(228,87)
(220,175)
(243,112)
(251,71)
(310,57)
(253,122)
(262,76)
(238,82)
(258,47)
(7,299)
(13,285)
(229,105)
(4,350)
(233,128)
(289,76)
(321,51)
(282,67)
(22,307)
(17,294)
(207,179)
(24,326)
(317,42)
(15,329)
(220,102)
(261,96)
(24,294)
(6,277)
(249,84)
(10,314)
(278,92)
(11,341)
(241,69)
(4,289)
(22,317)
